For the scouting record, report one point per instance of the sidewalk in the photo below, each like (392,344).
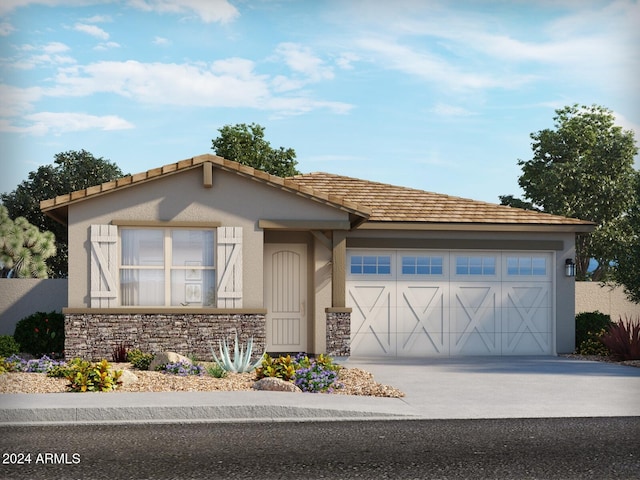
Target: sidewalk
(508,387)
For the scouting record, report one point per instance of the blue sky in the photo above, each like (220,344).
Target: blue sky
(436,95)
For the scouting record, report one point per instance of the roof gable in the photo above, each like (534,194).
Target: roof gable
(57,207)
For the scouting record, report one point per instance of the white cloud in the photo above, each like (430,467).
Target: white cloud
(54,47)
(445,110)
(209,11)
(56,123)
(301,60)
(92,30)
(15,101)
(161,41)
(106,46)
(6,29)
(433,68)
(99,19)
(229,83)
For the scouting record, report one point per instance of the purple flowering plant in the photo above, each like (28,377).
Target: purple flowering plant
(43,364)
(182,369)
(316,375)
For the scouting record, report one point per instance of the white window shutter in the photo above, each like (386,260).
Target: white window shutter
(104,266)
(229,267)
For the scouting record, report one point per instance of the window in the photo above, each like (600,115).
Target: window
(418,265)
(371,264)
(475,265)
(524,266)
(167,267)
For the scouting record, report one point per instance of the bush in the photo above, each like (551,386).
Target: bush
(182,369)
(593,345)
(39,365)
(119,353)
(623,339)
(283,367)
(41,334)
(589,326)
(216,371)
(85,376)
(310,375)
(8,346)
(139,359)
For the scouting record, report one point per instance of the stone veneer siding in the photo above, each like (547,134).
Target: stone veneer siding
(94,336)
(338,334)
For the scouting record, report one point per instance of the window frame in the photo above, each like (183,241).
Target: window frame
(168,269)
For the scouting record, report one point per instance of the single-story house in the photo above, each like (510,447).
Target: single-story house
(179,257)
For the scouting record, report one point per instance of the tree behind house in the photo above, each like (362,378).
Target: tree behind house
(246,144)
(584,169)
(73,170)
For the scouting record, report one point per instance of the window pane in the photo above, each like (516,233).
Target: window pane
(142,287)
(192,247)
(190,293)
(142,247)
(512,266)
(539,266)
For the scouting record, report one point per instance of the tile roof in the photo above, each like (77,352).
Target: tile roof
(390,203)
(57,207)
(371,201)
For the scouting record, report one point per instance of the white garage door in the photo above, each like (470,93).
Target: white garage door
(430,303)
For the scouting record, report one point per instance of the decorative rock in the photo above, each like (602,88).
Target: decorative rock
(274,384)
(163,358)
(128,377)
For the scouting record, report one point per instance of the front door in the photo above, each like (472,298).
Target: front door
(285,280)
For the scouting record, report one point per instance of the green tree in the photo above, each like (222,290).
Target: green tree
(23,248)
(584,169)
(627,271)
(246,144)
(73,170)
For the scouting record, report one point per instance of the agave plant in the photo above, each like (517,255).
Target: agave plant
(241,361)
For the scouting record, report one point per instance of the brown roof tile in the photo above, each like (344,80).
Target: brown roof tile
(390,203)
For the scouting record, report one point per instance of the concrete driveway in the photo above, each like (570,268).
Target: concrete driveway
(509,387)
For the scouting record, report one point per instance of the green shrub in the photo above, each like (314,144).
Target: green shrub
(41,333)
(623,339)
(283,367)
(593,345)
(85,376)
(139,359)
(8,346)
(589,326)
(216,371)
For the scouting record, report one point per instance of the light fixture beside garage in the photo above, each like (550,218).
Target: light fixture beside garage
(569,268)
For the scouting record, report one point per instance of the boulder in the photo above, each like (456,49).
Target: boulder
(274,384)
(128,377)
(163,358)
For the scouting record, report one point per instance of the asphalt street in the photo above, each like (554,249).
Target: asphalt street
(535,448)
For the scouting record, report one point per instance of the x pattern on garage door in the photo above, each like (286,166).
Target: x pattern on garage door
(429,303)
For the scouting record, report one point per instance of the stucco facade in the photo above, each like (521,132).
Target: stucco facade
(296,242)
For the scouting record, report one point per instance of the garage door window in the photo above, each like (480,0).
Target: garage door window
(526,266)
(371,265)
(419,265)
(475,265)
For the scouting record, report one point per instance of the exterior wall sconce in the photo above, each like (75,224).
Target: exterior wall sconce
(569,268)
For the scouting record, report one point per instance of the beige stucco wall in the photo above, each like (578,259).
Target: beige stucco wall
(21,297)
(233,201)
(594,296)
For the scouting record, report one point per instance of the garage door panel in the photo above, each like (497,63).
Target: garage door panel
(421,343)
(421,305)
(527,296)
(535,320)
(521,343)
(476,343)
(374,344)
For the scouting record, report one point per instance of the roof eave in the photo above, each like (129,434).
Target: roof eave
(478,226)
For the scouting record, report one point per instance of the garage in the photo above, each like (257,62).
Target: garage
(422,303)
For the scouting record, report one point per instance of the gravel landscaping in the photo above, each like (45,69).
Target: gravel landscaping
(355,382)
